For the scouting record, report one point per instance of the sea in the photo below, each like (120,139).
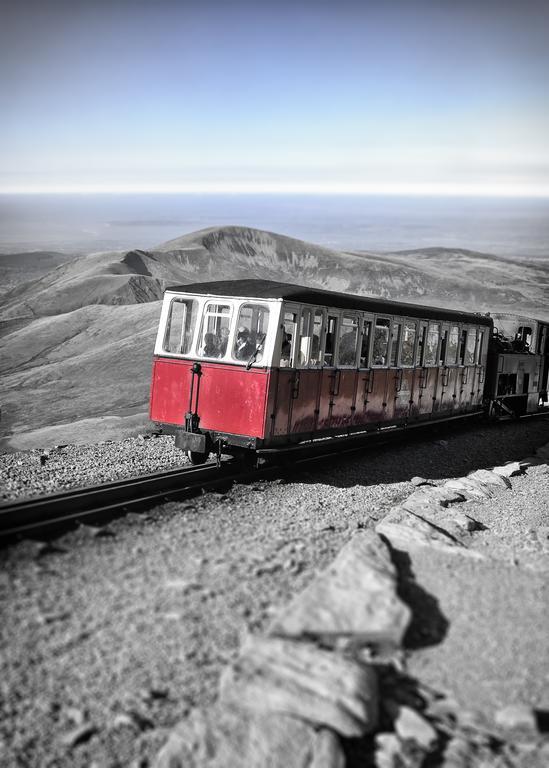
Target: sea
(512,228)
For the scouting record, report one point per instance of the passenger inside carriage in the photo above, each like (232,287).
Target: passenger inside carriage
(244,346)
(223,340)
(211,348)
(286,350)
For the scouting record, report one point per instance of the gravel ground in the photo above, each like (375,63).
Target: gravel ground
(119,634)
(36,472)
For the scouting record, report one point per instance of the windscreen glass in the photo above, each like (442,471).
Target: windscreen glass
(180,326)
(215,330)
(251,332)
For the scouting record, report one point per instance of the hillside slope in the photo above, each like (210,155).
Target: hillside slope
(454,278)
(83,376)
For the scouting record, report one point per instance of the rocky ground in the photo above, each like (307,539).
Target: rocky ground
(111,637)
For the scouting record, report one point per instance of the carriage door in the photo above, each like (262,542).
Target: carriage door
(346,375)
(328,383)
(377,403)
(443,397)
(286,385)
(399,376)
(420,378)
(306,386)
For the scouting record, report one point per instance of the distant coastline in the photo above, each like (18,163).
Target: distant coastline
(513,228)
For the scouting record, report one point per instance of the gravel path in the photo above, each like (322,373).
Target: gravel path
(35,472)
(119,634)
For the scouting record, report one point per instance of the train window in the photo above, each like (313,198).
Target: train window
(480,340)
(443,347)
(381,341)
(523,338)
(251,331)
(452,346)
(305,338)
(471,346)
(214,333)
(431,345)
(421,345)
(365,344)
(462,344)
(395,343)
(348,339)
(408,342)
(180,326)
(331,330)
(316,346)
(289,334)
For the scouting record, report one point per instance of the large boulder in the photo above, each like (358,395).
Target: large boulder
(299,679)
(354,598)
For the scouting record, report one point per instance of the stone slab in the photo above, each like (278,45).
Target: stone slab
(355,597)
(299,679)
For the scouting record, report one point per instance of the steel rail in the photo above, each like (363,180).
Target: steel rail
(99,502)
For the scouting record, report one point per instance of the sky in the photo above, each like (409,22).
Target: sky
(314,97)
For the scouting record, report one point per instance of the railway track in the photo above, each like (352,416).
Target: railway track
(48,515)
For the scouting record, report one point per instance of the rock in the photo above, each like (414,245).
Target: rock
(355,597)
(190,744)
(470,487)
(418,481)
(132,719)
(392,753)
(123,721)
(511,469)
(153,694)
(459,753)
(437,496)
(411,726)
(402,527)
(414,532)
(490,478)
(542,535)
(227,737)
(75,715)
(78,735)
(516,717)
(464,522)
(387,750)
(327,750)
(299,679)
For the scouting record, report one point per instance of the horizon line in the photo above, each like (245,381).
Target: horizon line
(320,190)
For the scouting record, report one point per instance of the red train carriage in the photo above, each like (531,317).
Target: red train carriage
(253,364)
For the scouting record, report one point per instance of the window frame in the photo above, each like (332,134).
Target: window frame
(389,320)
(415,324)
(354,316)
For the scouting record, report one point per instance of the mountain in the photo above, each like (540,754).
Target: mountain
(17,268)
(77,342)
(454,278)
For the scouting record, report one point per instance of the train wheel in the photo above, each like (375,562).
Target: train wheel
(197,457)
